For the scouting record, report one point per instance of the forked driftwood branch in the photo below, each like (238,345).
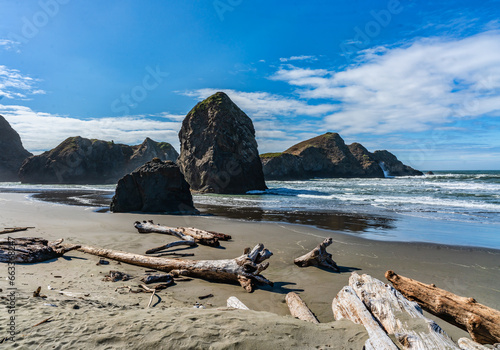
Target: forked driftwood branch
(204,237)
(244,269)
(32,249)
(482,322)
(318,257)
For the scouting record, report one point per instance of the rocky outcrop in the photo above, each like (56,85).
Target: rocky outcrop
(218,148)
(78,160)
(328,156)
(393,165)
(155,187)
(150,149)
(12,152)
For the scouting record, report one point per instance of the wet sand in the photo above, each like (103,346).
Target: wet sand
(112,319)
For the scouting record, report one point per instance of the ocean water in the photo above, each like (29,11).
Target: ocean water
(458,208)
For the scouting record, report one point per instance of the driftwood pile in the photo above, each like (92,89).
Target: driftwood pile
(391,320)
(392,315)
(32,250)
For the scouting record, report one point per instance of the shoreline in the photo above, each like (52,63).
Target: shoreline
(385,226)
(471,272)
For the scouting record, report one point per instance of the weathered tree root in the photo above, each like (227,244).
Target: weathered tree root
(318,257)
(244,269)
(32,249)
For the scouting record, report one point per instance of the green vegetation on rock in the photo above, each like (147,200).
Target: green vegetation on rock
(271,155)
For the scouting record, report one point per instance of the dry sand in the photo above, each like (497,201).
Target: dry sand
(88,313)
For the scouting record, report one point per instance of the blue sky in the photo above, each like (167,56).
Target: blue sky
(418,78)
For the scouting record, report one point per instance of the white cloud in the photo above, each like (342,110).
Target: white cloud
(8,44)
(264,104)
(299,58)
(15,85)
(42,131)
(429,83)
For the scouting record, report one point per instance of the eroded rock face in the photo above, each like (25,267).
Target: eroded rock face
(78,160)
(12,152)
(328,156)
(218,148)
(395,166)
(155,187)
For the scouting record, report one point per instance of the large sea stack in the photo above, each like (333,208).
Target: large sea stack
(328,156)
(78,160)
(218,148)
(155,187)
(12,152)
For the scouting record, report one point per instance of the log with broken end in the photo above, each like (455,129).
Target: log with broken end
(299,309)
(244,269)
(482,322)
(204,237)
(399,316)
(32,249)
(318,257)
(348,305)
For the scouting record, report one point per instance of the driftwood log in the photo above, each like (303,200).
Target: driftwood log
(14,229)
(32,249)
(204,237)
(235,303)
(348,305)
(318,257)
(398,316)
(482,322)
(467,344)
(244,269)
(299,309)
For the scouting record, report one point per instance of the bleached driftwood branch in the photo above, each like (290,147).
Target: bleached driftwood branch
(398,316)
(467,344)
(235,303)
(299,309)
(348,305)
(204,237)
(244,269)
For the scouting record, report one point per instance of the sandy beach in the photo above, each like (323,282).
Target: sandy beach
(88,312)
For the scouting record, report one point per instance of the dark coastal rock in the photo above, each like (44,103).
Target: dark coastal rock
(12,152)
(218,148)
(155,187)
(150,149)
(329,157)
(370,165)
(394,165)
(78,160)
